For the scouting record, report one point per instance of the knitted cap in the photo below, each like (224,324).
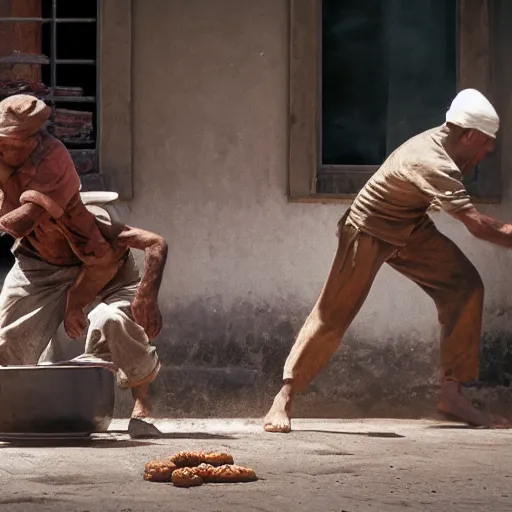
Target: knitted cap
(22,116)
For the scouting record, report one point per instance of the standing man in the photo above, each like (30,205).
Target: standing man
(388,223)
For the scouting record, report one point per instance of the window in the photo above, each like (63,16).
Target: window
(49,48)
(366,75)
(55,46)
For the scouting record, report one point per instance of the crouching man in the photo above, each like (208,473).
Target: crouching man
(71,262)
(122,319)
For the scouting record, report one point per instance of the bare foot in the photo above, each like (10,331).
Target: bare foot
(143,407)
(455,404)
(141,425)
(278,418)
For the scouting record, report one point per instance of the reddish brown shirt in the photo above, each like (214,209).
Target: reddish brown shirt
(70,235)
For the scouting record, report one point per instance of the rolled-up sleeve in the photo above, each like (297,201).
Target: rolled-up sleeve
(444,188)
(108,223)
(55,183)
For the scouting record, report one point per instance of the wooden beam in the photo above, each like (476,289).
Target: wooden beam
(475,71)
(305,31)
(115,112)
(23,37)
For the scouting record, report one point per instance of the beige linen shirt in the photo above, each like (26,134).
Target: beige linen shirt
(417,177)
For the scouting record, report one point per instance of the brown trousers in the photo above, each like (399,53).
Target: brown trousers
(432,261)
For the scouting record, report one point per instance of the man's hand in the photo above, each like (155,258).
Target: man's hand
(85,288)
(147,314)
(75,322)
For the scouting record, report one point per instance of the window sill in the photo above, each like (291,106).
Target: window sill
(323,199)
(349,198)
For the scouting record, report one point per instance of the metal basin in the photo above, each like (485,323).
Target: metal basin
(55,399)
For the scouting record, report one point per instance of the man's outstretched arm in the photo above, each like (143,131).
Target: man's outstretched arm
(485,227)
(145,305)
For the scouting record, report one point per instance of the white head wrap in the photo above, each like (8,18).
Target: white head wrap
(471,109)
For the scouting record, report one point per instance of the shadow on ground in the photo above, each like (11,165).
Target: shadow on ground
(112,440)
(365,434)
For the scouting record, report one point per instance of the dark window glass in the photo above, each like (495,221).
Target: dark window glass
(388,73)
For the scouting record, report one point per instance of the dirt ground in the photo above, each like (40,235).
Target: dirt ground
(323,466)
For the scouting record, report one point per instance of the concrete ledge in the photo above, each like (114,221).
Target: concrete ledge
(199,391)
